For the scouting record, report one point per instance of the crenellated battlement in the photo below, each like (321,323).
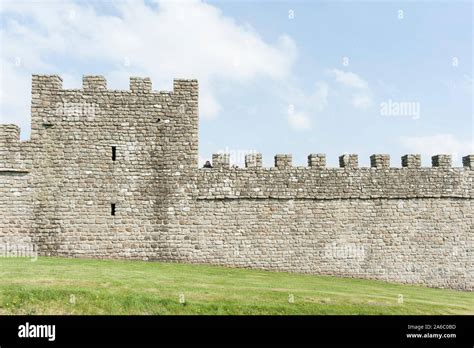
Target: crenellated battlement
(380,161)
(317,160)
(166,121)
(45,84)
(283,161)
(14,154)
(349,181)
(9,134)
(346,161)
(48,91)
(91,84)
(441,161)
(49,84)
(253,160)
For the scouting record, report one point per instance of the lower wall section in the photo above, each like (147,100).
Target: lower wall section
(416,241)
(428,241)
(16,214)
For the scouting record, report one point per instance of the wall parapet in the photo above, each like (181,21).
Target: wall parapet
(45,84)
(253,160)
(441,161)
(411,161)
(346,161)
(317,160)
(380,161)
(220,161)
(9,134)
(283,161)
(332,183)
(14,154)
(349,161)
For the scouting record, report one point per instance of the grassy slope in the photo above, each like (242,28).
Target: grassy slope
(135,287)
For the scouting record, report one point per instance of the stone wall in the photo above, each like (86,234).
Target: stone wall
(16,194)
(404,225)
(114,174)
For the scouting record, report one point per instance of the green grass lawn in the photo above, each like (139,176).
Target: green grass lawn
(78,286)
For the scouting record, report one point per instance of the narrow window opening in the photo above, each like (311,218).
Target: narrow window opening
(114,153)
(112,209)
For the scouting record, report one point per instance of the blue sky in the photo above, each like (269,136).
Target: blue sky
(275,77)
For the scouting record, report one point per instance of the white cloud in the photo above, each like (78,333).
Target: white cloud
(299,121)
(349,79)
(362,101)
(361,93)
(170,40)
(303,107)
(436,144)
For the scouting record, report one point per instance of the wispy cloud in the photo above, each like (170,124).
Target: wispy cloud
(361,93)
(303,107)
(349,79)
(170,40)
(299,120)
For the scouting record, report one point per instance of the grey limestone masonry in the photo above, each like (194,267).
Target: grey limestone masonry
(93,148)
